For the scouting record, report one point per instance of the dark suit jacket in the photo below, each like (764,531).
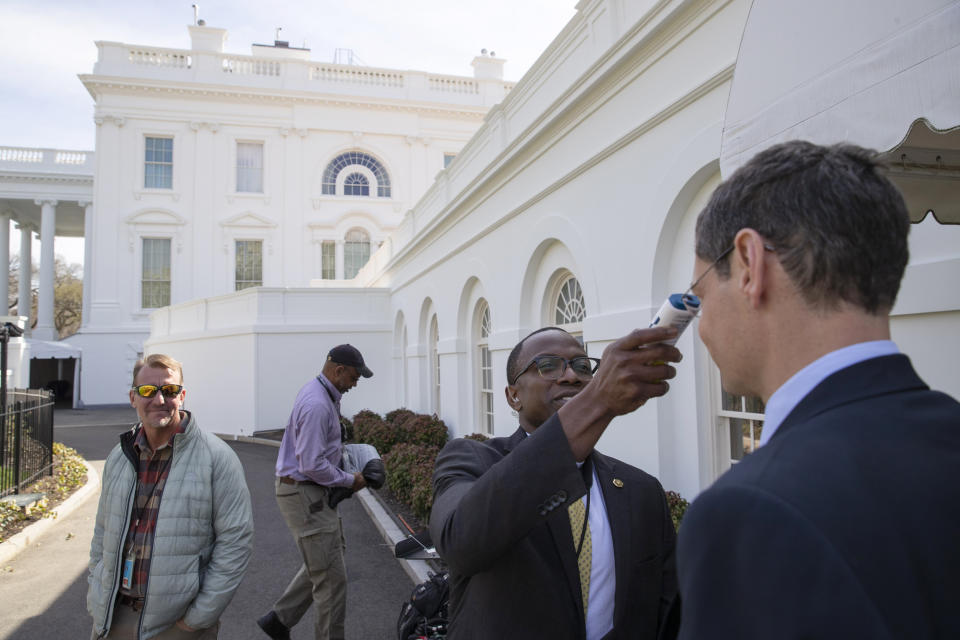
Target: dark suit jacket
(500,522)
(845,525)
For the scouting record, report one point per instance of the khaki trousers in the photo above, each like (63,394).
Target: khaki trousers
(322,578)
(126,621)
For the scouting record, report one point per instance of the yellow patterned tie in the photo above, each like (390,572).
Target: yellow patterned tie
(577,514)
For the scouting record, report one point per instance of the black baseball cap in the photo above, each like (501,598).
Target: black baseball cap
(349,355)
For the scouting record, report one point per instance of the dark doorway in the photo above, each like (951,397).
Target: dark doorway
(55,374)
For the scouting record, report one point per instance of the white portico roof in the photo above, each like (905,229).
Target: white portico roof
(859,71)
(52,349)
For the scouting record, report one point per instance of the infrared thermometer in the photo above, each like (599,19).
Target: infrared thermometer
(677,311)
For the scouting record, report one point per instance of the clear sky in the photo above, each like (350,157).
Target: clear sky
(45,44)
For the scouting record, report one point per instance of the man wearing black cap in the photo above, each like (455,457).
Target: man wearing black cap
(308,467)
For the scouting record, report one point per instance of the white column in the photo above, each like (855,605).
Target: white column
(48,220)
(87,260)
(25,297)
(338,272)
(5,261)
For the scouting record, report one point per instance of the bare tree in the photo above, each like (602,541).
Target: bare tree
(67,295)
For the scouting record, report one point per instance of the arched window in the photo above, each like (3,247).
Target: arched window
(356,184)
(484,369)
(356,252)
(569,307)
(355,159)
(435,363)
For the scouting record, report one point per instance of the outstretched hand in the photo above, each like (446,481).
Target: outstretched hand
(632,370)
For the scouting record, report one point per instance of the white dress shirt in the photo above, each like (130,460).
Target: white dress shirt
(791,392)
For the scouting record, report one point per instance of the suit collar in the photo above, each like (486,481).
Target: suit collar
(867,379)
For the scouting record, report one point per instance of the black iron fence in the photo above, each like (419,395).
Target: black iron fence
(26,438)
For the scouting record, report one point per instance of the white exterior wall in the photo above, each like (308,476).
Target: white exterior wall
(595,165)
(245,355)
(305,114)
(603,182)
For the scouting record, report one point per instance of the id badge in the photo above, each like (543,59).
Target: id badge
(127,577)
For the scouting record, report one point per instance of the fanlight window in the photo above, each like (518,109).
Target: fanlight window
(570,307)
(355,159)
(356,184)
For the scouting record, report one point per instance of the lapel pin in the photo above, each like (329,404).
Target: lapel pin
(618,483)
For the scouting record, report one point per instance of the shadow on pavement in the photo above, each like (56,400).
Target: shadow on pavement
(377,585)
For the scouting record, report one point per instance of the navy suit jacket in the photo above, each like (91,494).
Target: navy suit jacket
(500,522)
(845,525)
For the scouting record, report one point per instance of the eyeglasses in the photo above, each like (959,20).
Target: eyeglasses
(150,390)
(552,367)
(766,246)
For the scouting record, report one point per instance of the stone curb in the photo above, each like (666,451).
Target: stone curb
(416,570)
(9,549)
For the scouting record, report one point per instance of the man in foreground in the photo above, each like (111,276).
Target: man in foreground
(174,527)
(845,522)
(545,537)
(308,468)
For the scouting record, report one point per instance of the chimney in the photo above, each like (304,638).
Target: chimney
(204,38)
(487,66)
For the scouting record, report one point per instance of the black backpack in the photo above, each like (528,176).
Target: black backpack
(425,614)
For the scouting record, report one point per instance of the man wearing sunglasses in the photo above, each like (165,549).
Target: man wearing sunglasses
(845,521)
(308,467)
(174,527)
(545,537)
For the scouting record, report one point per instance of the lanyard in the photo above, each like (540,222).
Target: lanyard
(587,471)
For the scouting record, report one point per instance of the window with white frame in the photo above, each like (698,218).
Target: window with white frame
(484,370)
(742,418)
(448,158)
(344,162)
(435,363)
(155,273)
(158,163)
(569,307)
(356,184)
(403,366)
(250,167)
(328,260)
(356,252)
(249,264)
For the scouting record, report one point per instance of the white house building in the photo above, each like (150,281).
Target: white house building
(573,204)
(218,172)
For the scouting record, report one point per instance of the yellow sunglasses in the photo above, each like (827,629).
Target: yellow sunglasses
(150,390)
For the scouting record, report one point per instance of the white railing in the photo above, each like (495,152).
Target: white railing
(453,84)
(16,154)
(179,65)
(160,58)
(52,159)
(246,66)
(356,75)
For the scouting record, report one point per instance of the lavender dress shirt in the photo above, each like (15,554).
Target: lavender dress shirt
(311,447)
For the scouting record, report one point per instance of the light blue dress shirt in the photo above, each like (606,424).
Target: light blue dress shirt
(791,392)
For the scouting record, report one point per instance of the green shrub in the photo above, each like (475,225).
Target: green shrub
(421,492)
(405,466)
(369,427)
(397,417)
(479,437)
(409,443)
(425,430)
(678,507)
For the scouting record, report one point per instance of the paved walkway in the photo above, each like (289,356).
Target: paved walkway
(43,589)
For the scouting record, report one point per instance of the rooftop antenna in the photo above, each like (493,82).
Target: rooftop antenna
(196,13)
